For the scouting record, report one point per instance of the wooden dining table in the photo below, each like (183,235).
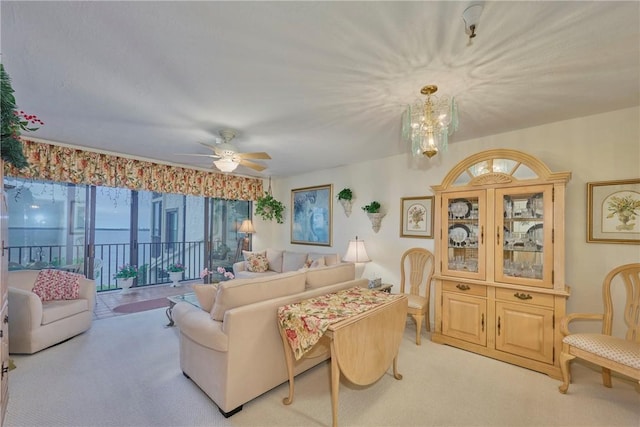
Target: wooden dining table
(364,339)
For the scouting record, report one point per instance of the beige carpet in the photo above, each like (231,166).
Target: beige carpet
(125,372)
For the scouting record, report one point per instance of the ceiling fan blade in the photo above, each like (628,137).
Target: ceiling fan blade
(209,146)
(261,155)
(253,165)
(213,156)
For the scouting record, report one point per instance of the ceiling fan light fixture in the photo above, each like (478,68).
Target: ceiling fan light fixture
(226,165)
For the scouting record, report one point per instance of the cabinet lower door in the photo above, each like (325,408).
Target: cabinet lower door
(525,330)
(464,317)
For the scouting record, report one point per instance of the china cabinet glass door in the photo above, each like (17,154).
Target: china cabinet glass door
(524,232)
(464,219)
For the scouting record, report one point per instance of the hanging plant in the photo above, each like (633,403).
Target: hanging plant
(12,123)
(269,208)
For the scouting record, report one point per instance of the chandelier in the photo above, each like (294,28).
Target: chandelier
(427,125)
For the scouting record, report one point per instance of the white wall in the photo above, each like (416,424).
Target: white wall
(596,148)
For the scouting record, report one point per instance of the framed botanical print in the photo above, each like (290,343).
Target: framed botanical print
(613,208)
(416,217)
(311,215)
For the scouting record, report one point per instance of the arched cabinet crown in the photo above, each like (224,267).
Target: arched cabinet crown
(499,167)
(499,229)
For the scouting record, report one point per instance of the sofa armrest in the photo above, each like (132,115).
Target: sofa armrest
(25,311)
(238,266)
(87,291)
(198,326)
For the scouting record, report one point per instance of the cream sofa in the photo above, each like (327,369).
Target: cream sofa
(282,261)
(240,356)
(35,325)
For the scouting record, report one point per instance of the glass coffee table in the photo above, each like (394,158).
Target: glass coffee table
(189,297)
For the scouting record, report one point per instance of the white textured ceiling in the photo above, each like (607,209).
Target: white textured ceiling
(315,84)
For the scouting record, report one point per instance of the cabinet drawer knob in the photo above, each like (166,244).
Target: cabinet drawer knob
(522,296)
(463,287)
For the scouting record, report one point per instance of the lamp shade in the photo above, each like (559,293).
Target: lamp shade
(247,227)
(356,252)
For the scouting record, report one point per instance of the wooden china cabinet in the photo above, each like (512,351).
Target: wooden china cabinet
(500,288)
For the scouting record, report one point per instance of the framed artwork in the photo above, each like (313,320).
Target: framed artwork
(613,209)
(311,215)
(416,217)
(76,218)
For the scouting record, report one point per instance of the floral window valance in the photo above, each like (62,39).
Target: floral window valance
(65,164)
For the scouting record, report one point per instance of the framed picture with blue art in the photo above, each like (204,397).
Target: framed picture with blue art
(311,215)
(416,217)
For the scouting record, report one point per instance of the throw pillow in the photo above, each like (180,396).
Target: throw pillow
(314,263)
(317,263)
(257,263)
(275,260)
(206,295)
(53,285)
(292,261)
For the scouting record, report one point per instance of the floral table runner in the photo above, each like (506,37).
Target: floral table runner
(305,322)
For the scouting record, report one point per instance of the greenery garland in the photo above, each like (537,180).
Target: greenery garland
(269,208)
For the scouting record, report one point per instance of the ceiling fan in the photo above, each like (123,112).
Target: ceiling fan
(228,157)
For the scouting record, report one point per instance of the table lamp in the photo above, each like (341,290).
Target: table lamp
(247,228)
(357,254)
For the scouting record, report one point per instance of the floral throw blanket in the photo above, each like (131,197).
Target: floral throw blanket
(305,322)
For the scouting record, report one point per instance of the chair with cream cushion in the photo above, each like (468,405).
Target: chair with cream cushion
(416,270)
(35,325)
(612,353)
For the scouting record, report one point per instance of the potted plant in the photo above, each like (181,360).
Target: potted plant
(125,276)
(373,207)
(374,214)
(175,274)
(13,122)
(345,197)
(269,208)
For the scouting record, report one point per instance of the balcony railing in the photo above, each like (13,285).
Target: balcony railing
(153,260)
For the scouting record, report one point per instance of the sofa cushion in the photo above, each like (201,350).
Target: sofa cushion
(314,263)
(59,309)
(330,275)
(257,263)
(292,261)
(206,295)
(239,292)
(57,285)
(274,256)
(329,259)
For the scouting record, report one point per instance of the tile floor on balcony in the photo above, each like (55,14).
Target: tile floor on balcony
(107,301)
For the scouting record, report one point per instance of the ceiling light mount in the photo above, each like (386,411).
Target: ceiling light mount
(471,15)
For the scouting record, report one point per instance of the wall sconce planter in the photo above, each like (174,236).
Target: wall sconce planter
(376,220)
(345,197)
(374,214)
(346,205)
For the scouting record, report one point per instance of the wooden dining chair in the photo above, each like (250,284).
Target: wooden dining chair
(612,353)
(416,270)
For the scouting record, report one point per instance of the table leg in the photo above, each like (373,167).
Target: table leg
(335,385)
(396,374)
(288,357)
(169,314)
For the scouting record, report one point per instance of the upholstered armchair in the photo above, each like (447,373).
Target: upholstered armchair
(34,324)
(620,354)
